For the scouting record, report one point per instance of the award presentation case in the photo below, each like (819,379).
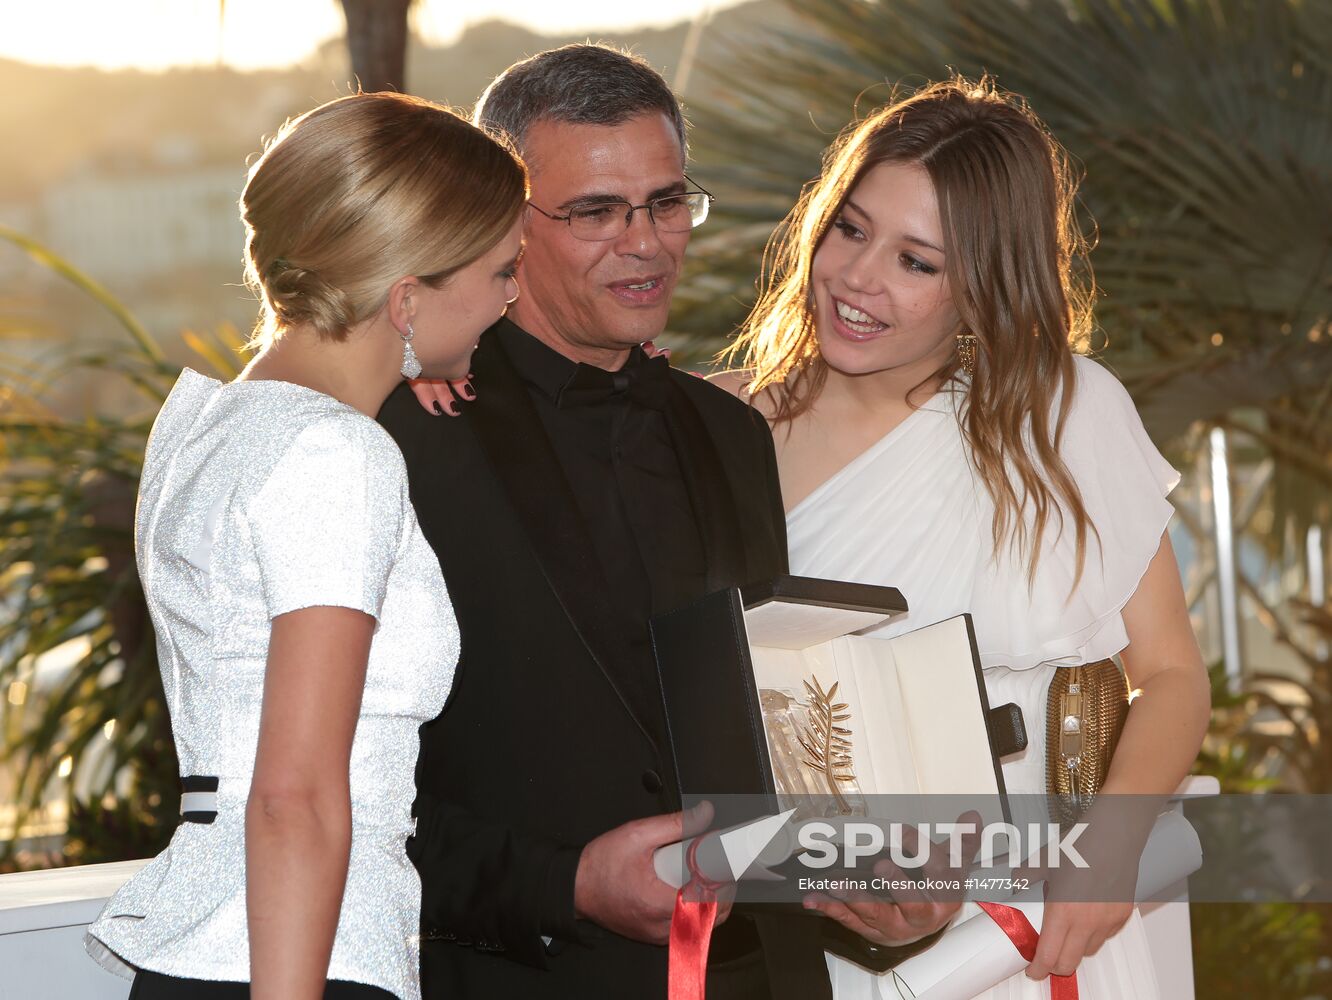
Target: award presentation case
(771,691)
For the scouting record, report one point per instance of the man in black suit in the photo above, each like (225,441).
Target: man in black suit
(585,489)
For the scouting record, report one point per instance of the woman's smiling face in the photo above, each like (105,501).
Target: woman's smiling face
(881,297)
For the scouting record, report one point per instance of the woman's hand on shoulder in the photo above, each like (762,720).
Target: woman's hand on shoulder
(651,349)
(443,397)
(734,380)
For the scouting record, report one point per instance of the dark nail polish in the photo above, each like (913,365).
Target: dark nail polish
(453,409)
(438,412)
(468,393)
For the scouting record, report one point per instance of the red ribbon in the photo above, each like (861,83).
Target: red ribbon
(691,933)
(1015,924)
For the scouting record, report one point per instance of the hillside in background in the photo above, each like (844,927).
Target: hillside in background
(60,122)
(134,177)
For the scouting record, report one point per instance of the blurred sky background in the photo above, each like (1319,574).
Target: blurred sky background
(260,34)
(128,127)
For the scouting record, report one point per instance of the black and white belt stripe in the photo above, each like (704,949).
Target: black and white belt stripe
(198,798)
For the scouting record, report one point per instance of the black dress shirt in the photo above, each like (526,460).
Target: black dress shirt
(612,440)
(613,443)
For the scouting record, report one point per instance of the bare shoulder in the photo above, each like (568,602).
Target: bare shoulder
(736,381)
(733,380)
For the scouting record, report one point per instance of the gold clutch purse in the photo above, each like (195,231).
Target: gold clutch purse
(1084,716)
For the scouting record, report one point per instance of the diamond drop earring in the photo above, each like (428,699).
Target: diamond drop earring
(411,368)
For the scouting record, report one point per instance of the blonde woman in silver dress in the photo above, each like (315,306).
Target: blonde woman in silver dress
(303,628)
(936,432)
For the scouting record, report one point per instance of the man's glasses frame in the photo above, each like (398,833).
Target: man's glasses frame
(696,219)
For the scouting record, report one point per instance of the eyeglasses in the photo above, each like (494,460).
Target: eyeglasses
(605,220)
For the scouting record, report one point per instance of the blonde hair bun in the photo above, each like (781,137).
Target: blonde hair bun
(361,191)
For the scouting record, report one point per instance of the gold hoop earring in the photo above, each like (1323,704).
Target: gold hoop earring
(966,353)
(516,295)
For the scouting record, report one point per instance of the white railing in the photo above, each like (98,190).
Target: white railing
(43,916)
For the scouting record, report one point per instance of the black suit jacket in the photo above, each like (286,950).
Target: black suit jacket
(539,749)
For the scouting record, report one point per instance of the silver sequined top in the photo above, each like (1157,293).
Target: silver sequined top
(260,498)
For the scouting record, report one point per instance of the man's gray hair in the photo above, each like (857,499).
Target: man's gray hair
(579,85)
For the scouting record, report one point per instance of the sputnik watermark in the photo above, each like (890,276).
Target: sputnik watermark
(848,843)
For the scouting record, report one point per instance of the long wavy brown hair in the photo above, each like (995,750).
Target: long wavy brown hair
(1016,270)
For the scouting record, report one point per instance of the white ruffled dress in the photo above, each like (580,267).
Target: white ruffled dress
(910,513)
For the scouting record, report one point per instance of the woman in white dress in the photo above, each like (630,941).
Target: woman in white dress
(303,628)
(936,432)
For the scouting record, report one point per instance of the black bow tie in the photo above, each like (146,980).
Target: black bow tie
(647,383)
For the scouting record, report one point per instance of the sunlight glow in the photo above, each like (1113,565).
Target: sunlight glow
(158,34)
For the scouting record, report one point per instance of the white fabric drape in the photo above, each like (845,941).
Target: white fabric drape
(910,513)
